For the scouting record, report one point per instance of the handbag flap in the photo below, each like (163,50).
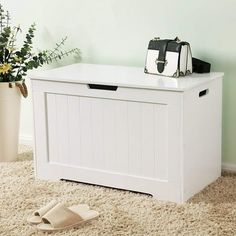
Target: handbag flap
(173,46)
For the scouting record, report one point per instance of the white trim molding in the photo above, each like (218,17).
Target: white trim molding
(229,167)
(26,140)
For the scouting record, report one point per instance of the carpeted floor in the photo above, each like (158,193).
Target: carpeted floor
(211,212)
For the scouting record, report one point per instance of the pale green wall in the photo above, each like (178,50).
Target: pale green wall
(118,31)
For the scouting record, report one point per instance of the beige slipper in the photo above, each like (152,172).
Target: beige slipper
(61,217)
(36,217)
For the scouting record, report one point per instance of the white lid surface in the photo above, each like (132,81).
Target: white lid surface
(122,76)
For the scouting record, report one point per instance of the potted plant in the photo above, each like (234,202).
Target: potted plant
(15,62)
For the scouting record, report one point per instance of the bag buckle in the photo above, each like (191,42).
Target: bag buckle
(163,62)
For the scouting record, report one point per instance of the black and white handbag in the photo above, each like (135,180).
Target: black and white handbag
(168,57)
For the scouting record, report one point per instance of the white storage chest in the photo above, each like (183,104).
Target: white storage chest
(116,126)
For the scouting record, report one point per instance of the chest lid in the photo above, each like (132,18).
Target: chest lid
(122,76)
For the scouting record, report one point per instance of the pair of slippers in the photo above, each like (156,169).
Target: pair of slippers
(56,216)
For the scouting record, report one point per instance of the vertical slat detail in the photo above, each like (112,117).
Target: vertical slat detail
(74,124)
(121,137)
(134,130)
(161,142)
(62,128)
(97,133)
(86,131)
(109,145)
(147,122)
(52,127)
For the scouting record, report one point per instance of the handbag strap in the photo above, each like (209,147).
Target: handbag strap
(200,66)
(161,60)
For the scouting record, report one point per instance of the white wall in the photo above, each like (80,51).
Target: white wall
(118,31)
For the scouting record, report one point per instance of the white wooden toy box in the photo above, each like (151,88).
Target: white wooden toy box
(139,132)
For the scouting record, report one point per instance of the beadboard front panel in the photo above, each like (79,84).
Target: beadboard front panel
(120,136)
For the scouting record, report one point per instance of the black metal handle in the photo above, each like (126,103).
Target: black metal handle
(203,92)
(103,87)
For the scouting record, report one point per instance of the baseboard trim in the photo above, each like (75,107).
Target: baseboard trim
(229,167)
(26,140)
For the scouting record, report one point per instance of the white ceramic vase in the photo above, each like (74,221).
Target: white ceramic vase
(10,102)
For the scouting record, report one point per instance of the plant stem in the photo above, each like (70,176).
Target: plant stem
(57,47)
(12,41)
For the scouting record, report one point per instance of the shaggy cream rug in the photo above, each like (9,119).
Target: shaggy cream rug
(211,212)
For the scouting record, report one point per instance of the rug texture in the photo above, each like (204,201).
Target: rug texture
(211,212)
